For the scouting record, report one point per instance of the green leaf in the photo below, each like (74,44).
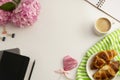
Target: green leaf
(17,1)
(9,6)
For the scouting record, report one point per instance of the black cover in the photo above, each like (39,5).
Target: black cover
(13,66)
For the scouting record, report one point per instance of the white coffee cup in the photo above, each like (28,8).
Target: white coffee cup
(102,26)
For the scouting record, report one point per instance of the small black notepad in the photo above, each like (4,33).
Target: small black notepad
(13,66)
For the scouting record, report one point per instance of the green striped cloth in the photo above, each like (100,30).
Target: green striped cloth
(111,41)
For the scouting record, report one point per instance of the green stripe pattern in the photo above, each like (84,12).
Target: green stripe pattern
(111,41)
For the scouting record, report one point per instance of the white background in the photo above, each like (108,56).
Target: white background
(64,27)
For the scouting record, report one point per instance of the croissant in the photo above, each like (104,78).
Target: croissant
(107,72)
(102,58)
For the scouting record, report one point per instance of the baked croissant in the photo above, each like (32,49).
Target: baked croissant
(102,58)
(107,72)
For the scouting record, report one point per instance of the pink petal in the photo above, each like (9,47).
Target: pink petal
(69,63)
(26,13)
(5,16)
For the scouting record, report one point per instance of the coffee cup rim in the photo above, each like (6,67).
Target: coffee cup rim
(98,29)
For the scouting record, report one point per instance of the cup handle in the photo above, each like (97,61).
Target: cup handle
(112,22)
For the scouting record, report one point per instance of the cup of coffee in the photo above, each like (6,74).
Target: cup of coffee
(102,26)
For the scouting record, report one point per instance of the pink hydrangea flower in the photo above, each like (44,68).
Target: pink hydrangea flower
(26,13)
(5,16)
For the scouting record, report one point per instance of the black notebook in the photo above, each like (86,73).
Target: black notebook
(13,50)
(13,66)
(109,7)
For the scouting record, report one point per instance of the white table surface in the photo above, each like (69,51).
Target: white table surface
(64,27)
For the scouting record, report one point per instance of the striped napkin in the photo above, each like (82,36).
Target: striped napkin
(111,41)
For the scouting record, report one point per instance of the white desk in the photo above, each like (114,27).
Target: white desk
(64,27)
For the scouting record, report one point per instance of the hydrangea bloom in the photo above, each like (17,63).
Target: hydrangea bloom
(5,16)
(26,13)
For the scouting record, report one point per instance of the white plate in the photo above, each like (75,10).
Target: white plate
(91,72)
